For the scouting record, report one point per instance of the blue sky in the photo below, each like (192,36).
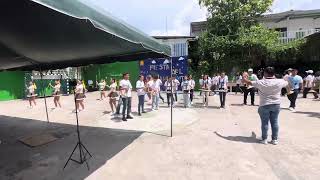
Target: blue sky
(151,16)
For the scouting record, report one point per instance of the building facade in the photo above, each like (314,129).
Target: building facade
(291,25)
(179,44)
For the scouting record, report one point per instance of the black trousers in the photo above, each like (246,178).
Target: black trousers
(176,96)
(170,98)
(191,95)
(126,106)
(246,93)
(293,98)
(306,91)
(222,98)
(161,97)
(141,104)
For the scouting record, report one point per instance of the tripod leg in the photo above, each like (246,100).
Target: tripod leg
(84,156)
(86,150)
(71,155)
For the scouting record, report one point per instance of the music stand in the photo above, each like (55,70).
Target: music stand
(82,149)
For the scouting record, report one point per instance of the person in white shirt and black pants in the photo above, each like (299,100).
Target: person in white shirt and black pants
(140,86)
(168,87)
(125,91)
(309,84)
(223,88)
(192,85)
(186,90)
(250,89)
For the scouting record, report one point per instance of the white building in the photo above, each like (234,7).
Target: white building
(293,24)
(179,44)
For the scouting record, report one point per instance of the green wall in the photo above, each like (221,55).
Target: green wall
(12,85)
(113,70)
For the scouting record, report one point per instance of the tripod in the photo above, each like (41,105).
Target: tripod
(82,149)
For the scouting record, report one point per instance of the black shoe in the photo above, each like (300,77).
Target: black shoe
(139,114)
(129,117)
(124,119)
(144,112)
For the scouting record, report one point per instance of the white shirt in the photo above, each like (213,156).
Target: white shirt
(167,84)
(126,84)
(309,81)
(222,82)
(113,87)
(239,79)
(176,84)
(270,90)
(155,86)
(102,86)
(206,84)
(31,89)
(253,77)
(57,88)
(140,88)
(185,85)
(192,84)
(79,89)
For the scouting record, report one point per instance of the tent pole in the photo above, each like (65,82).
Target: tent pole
(45,97)
(171,108)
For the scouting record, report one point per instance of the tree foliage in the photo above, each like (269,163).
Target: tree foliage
(234,37)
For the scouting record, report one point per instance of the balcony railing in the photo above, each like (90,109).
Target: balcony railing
(289,36)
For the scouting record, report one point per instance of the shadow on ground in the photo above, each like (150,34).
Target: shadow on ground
(252,139)
(310,114)
(19,161)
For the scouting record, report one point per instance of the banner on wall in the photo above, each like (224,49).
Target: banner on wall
(162,67)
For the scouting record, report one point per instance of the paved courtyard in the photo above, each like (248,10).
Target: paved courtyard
(209,143)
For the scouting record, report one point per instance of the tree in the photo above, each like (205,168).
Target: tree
(234,36)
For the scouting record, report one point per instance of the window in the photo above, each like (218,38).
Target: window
(317,29)
(179,49)
(282,32)
(300,34)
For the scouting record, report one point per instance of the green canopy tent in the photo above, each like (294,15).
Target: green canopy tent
(55,34)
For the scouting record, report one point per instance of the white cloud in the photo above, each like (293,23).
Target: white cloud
(180,23)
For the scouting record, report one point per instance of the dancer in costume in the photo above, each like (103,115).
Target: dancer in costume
(56,93)
(32,94)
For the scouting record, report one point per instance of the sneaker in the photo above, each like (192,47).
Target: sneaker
(274,142)
(264,141)
(292,109)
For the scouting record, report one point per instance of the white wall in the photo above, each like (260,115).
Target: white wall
(294,25)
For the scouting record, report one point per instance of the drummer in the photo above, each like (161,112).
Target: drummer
(223,89)
(250,89)
(206,84)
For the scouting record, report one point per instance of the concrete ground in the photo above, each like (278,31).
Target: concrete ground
(208,143)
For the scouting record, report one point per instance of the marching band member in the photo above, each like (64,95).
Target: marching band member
(223,88)
(250,89)
(149,84)
(168,87)
(192,84)
(176,84)
(56,93)
(201,83)
(32,94)
(186,90)
(140,86)
(239,82)
(125,91)
(79,96)
(309,85)
(113,96)
(102,86)
(155,90)
(295,81)
(160,84)
(206,90)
